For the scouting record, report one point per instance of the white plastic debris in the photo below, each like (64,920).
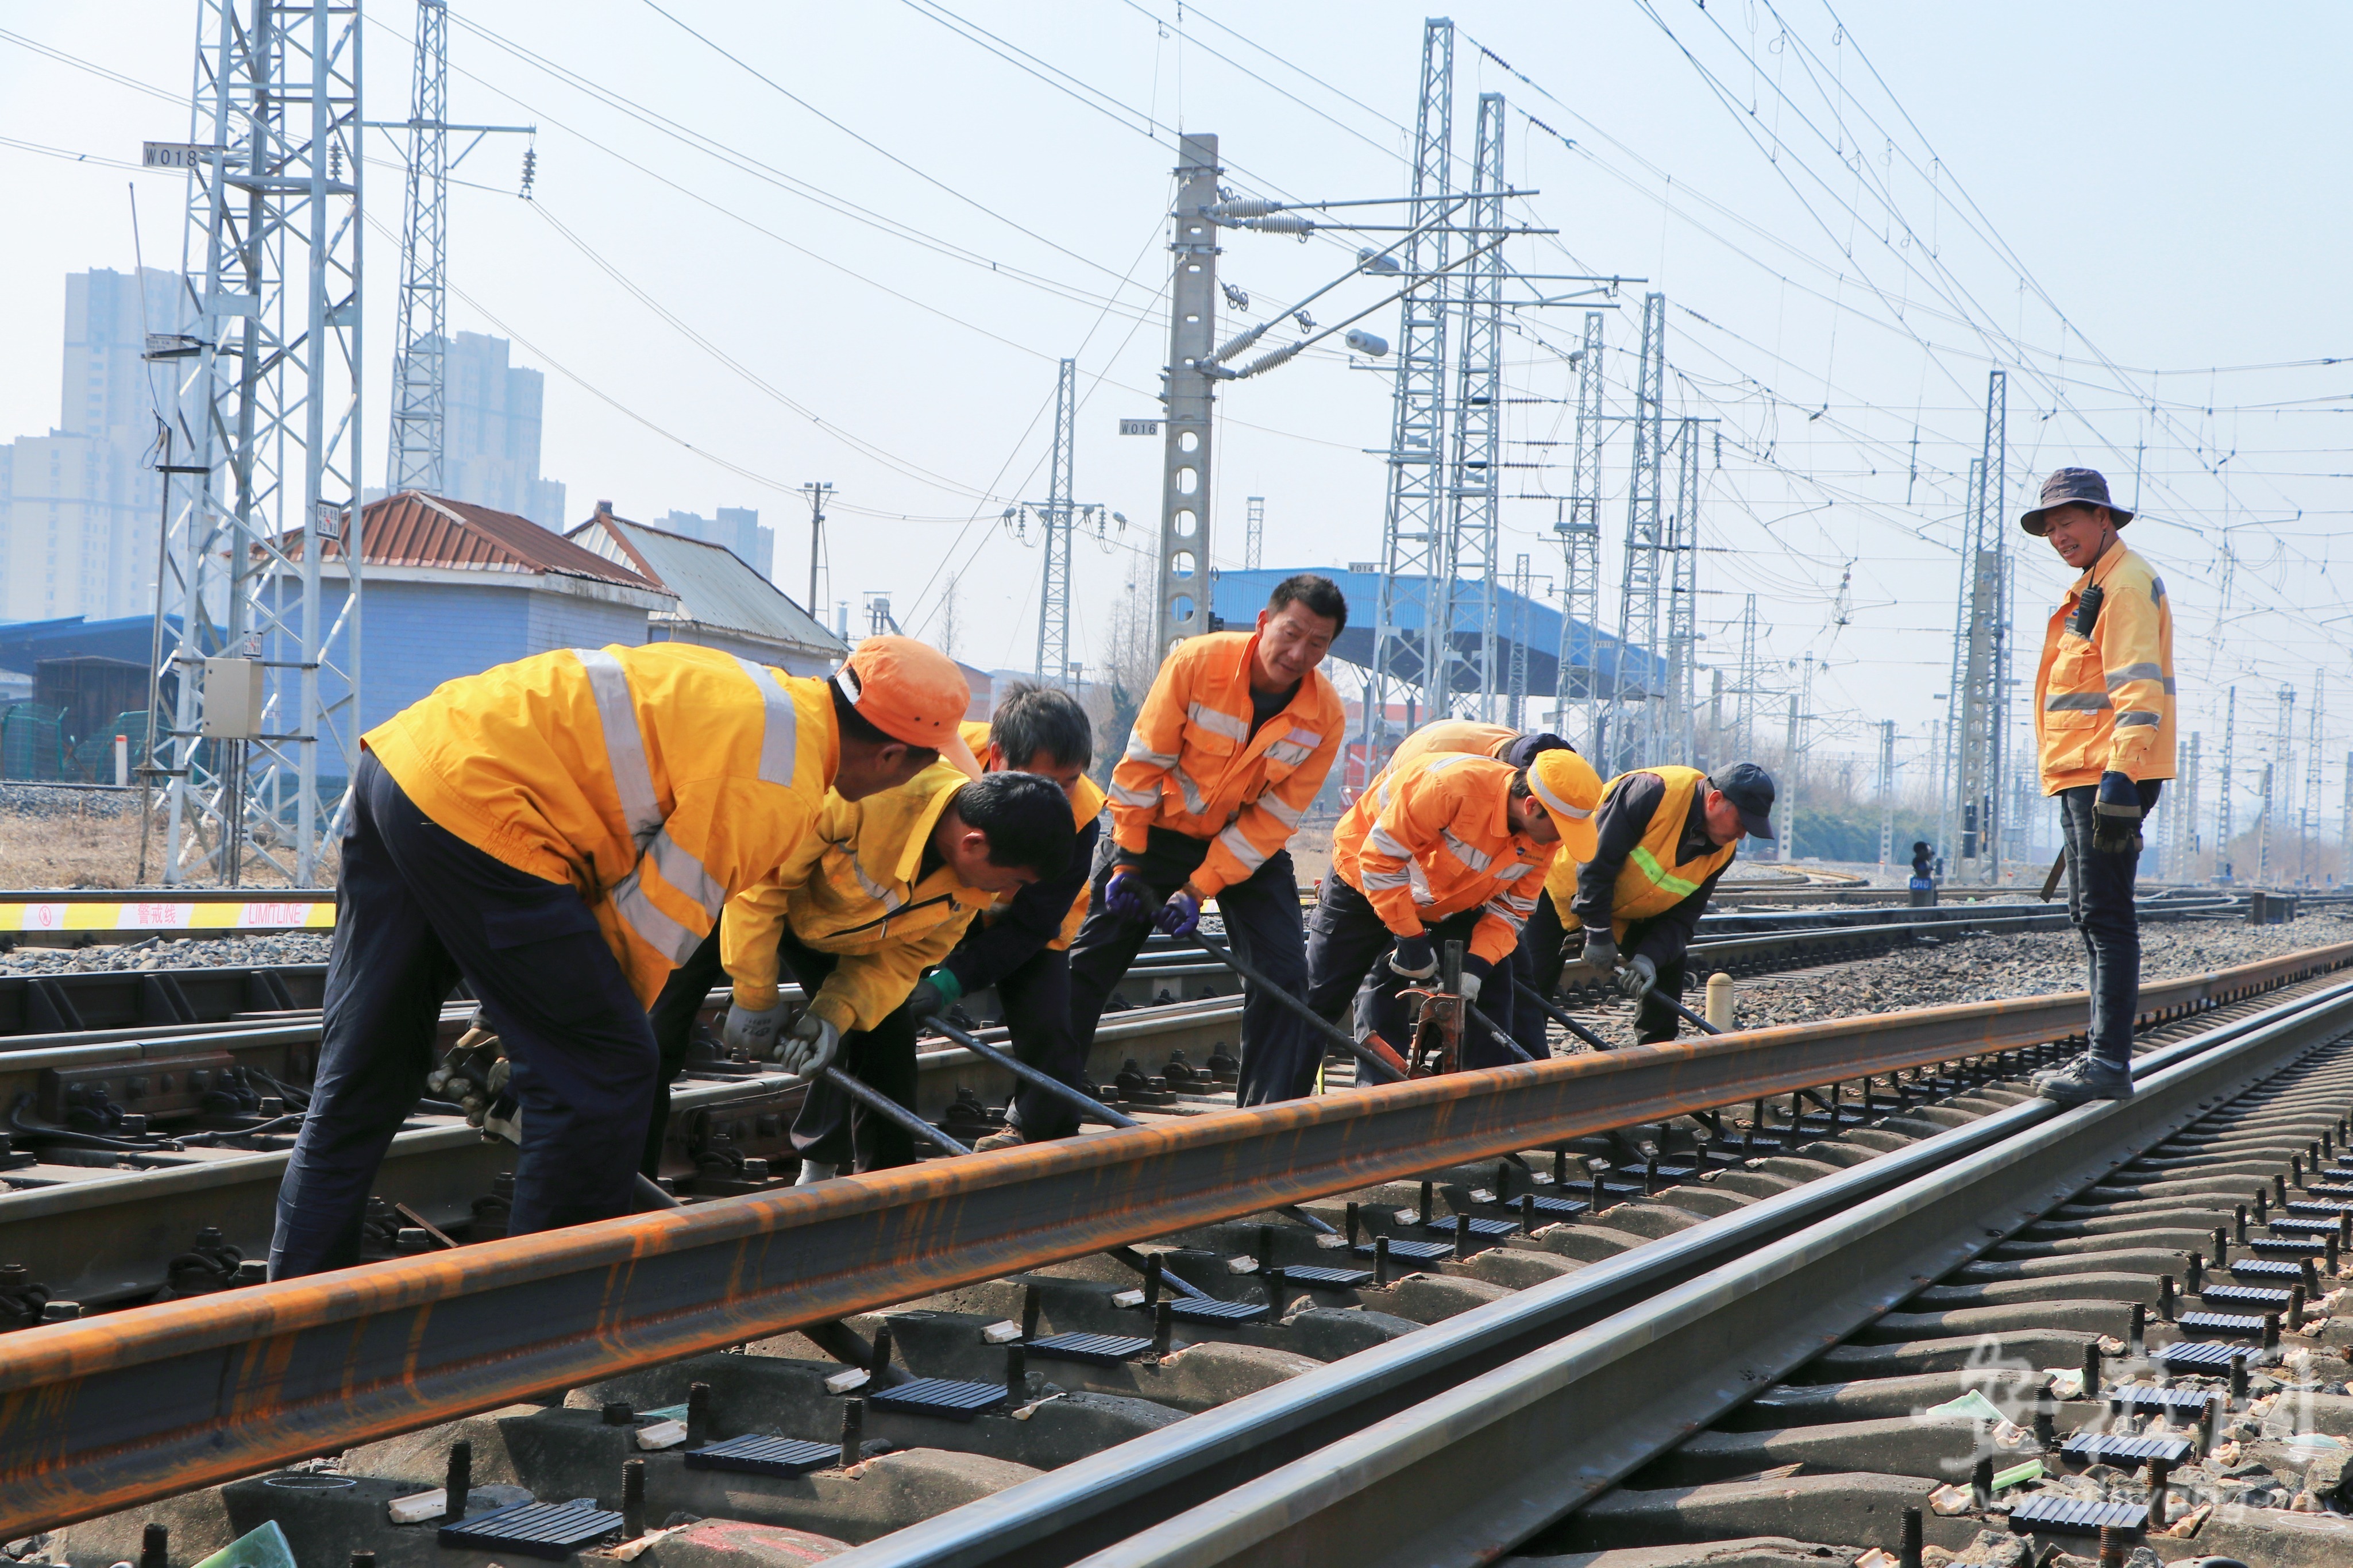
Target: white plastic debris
(418,1507)
(848,1378)
(661,1435)
(1951,1500)
(1128,1299)
(1003,1333)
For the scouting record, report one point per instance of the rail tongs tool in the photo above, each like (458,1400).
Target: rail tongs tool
(1438,1013)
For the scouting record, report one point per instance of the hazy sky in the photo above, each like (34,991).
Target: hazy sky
(851,243)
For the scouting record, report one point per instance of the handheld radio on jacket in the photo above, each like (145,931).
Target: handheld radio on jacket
(2088,611)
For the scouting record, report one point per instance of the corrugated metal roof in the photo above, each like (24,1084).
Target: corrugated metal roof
(413,529)
(714,584)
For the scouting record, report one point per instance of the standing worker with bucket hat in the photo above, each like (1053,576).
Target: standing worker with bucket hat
(560,833)
(2104,703)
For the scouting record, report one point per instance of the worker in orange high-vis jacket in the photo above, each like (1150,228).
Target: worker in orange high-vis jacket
(1446,846)
(560,833)
(1235,737)
(2104,716)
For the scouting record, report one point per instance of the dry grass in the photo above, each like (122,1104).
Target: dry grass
(71,839)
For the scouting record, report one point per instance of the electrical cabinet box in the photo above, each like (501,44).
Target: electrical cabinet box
(233,698)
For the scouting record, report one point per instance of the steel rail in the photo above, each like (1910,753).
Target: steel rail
(1455,1444)
(118,1410)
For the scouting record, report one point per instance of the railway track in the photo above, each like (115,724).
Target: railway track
(146,1416)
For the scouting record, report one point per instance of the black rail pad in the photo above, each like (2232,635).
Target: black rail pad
(1209,1310)
(764,1456)
(2245,1296)
(1550,1205)
(2049,1511)
(2322,1207)
(1760,1145)
(2219,1323)
(1094,1350)
(2286,1246)
(2323,1228)
(2337,1189)
(949,1397)
(553,1530)
(2264,1269)
(2200,1356)
(2089,1449)
(1332,1279)
(2188,1401)
(1411,1251)
(1478,1227)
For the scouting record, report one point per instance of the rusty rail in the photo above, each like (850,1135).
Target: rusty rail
(107,1414)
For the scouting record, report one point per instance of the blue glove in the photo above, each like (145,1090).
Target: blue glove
(2116,815)
(1180,916)
(1413,958)
(1127,895)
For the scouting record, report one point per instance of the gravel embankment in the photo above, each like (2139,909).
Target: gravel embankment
(169,952)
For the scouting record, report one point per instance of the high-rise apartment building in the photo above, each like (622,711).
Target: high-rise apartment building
(736,528)
(80,506)
(490,437)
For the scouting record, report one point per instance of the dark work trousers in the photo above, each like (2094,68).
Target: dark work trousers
(2100,902)
(1262,925)
(1545,945)
(833,1129)
(1536,964)
(415,908)
(673,1016)
(1036,994)
(1654,1021)
(1348,948)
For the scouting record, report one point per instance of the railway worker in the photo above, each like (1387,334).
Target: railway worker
(1022,945)
(881,890)
(2104,721)
(1665,837)
(1234,739)
(1446,846)
(560,832)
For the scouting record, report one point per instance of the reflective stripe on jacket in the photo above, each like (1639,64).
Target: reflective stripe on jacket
(2105,703)
(1192,766)
(857,889)
(1434,838)
(1653,879)
(656,779)
(1087,800)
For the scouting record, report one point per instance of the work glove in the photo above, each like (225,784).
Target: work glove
(1180,916)
(934,994)
(752,1030)
(2116,815)
(808,1047)
(1638,976)
(1413,957)
(1600,952)
(1127,895)
(466,1067)
(1474,976)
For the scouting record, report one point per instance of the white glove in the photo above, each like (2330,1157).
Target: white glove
(807,1048)
(751,1030)
(1469,987)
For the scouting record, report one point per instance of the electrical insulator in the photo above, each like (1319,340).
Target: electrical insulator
(1241,341)
(1366,343)
(1379,262)
(1248,206)
(529,170)
(1282,223)
(1268,361)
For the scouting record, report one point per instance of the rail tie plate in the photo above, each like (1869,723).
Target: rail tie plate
(950,1398)
(760,1456)
(2046,1510)
(2245,1296)
(2090,1449)
(553,1530)
(2221,1324)
(1094,1350)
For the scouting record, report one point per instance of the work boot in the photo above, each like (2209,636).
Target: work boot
(813,1172)
(1008,1139)
(2086,1077)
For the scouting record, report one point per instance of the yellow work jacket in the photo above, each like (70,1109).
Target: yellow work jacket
(1087,800)
(658,781)
(1432,838)
(857,889)
(2105,703)
(1652,881)
(1192,766)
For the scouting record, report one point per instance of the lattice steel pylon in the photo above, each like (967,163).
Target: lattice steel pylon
(1636,741)
(271,262)
(1980,647)
(2225,827)
(1413,520)
(1054,592)
(1474,450)
(2309,818)
(1745,722)
(1677,726)
(1579,527)
(1255,541)
(420,340)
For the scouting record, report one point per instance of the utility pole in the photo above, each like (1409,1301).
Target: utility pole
(2188,813)
(1785,799)
(1637,740)
(1254,545)
(1744,724)
(1413,520)
(1886,792)
(1469,565)
(817,490)
(1715,756)
(2264,833)
(1580,538)
(1522,584)
(268,451)
(2345,826)
(1187,396)
(2309,817)
(2223,794)
(420,340)
(2279,778)
(1682,599)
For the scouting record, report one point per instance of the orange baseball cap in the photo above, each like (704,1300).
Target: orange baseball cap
(909,691)
(1570,791)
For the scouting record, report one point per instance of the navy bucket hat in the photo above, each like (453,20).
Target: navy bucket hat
(2073,487)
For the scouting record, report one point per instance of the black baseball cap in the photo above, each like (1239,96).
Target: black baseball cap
(1750,788)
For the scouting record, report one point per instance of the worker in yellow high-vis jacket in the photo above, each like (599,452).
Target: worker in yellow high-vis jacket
(560,833)
(2103,715)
